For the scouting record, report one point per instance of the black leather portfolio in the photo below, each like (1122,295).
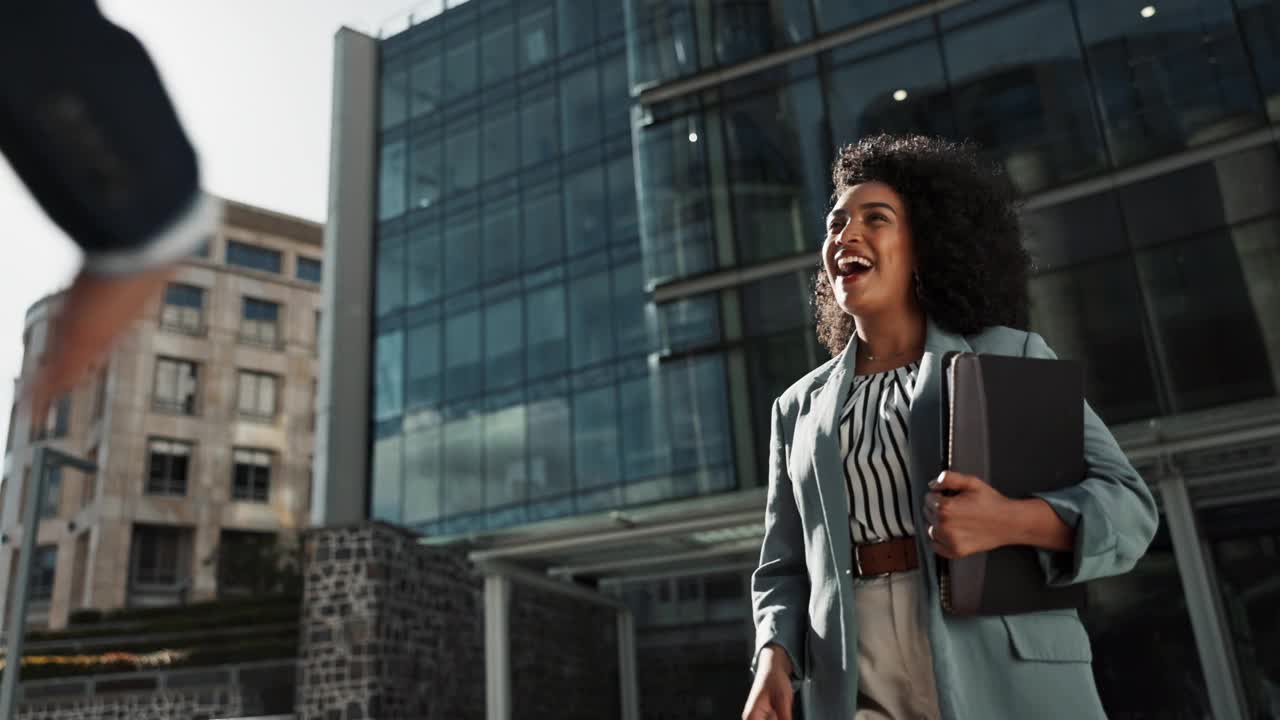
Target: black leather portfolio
(1018,424)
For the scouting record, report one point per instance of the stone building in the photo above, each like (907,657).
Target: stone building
(200,423)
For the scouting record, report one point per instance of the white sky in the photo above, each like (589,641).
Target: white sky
(251,81)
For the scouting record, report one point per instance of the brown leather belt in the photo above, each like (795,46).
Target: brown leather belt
(882,558)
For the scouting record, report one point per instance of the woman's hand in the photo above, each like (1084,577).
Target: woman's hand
(968,516)
(771,694)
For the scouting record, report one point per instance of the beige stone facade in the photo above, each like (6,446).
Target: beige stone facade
(141,531)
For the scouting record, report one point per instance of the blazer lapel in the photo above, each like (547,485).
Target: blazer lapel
(925,421)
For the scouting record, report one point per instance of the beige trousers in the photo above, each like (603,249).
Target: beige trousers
(895,665)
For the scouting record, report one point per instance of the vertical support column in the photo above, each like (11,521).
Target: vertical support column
(628,690)
(497,647)
(1208,621)
(339,495)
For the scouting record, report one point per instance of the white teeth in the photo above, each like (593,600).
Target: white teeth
(844,262)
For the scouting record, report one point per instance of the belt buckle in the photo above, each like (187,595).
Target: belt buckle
(857,562)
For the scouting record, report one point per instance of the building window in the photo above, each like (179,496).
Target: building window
(168,462)
(253,257)
(248,563)
(183,309)
(51,493)
(176,386)
(309,269)
(43,571)
(257,395)
(252,476)
(160,556)
(259,322)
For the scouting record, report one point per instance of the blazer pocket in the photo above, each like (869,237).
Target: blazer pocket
(1048,637)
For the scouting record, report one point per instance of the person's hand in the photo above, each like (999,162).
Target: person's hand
(967,516)
(771,694)
(95,310)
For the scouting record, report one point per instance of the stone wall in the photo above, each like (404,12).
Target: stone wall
(158,705)
(391,629)
(564,657)
(394,630)
(694,673)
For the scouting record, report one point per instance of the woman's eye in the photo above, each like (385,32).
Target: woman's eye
(877,218)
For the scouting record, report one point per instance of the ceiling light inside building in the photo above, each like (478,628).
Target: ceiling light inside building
(693,137)
(1148,11)
(899,95)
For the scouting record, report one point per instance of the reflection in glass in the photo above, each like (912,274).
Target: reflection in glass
(548,349)
(388,376)
(902,90)
(460,71)
(543,236)
(1092,313)
(1258,246)
(504,457)
(462,156)
(624,224)
(1144,654)
(425,85)
(580,108)
(424,266)
(423,365)
(630,309)
(674,201)
(501,257)
(584,211)
(616,95)
(390,280)
(836,14)
(777,303)
(590,320)
(388,466)
(461,255)
(463,465)
(462,370)
(1245,540)
(744,30)
(422,458)
(394,102)
(497,54)
(689,323)
(577,24)
(1020,91)
(662,45)
(645,444)
(537,38)
(1196,289)
(503,342)
(539,131)
(776,151)
(499,144)
(391,180)
(595,437)
(698,413)
(1259,21)
(774,363)
(1175,79)
(427,183)
(550,467)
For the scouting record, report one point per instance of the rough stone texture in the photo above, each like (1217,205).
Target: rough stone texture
(160,705)
(394,630)
(391,629)
(693,673)
(564,657)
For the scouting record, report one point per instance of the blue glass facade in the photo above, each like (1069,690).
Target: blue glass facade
(514,329)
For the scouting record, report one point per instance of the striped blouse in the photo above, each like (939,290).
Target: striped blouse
(873,443)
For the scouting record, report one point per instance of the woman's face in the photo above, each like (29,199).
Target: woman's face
(868,254)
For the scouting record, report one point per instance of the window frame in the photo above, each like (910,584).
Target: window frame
(176,406)
(170,483)
(250,493)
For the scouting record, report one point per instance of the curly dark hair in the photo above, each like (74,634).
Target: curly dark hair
(971,262)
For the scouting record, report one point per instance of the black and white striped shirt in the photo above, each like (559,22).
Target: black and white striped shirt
(873,443)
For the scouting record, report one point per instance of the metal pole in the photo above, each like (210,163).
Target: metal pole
(18,610)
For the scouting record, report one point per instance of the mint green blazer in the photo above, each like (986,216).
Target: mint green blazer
(1034,665)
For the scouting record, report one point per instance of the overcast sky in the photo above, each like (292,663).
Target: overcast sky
(251,81)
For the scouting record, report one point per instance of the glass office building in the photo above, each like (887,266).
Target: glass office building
(594,234)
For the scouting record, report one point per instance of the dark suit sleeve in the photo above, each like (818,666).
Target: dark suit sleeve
(87,125)
(1112,509)
(780,585)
